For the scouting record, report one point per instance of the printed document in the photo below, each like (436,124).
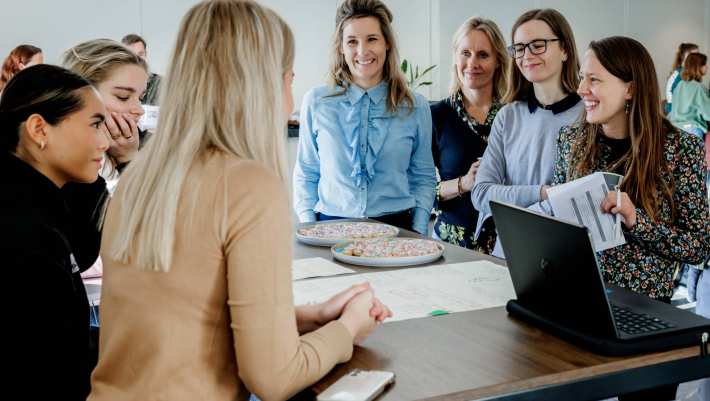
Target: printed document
(580,201)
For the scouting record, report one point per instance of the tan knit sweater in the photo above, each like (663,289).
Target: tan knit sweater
(221,323)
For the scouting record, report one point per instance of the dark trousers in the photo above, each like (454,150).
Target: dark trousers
(401,219)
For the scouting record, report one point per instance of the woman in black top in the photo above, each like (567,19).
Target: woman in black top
(461,124)
(51,149)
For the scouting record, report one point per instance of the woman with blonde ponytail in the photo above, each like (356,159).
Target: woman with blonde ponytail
(197,300)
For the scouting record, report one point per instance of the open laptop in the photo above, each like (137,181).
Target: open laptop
(560,288)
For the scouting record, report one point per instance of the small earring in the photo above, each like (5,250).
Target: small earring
(627,106)
(42,144)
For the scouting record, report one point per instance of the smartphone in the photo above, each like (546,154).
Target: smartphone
(358,385)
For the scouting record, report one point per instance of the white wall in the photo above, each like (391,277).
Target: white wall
(424,27)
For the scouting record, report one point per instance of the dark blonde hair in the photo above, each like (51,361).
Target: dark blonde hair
(488,27)
(340,74)
(693,67)
(644,163)
(681,54)
(11,66)
(520,87)
(96,59)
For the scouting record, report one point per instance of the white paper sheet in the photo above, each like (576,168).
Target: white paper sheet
(579,201)
(317,267)
(149,119)
(416,292)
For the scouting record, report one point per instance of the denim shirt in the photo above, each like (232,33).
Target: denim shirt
(357,159)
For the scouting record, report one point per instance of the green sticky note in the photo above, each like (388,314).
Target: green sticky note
(438,312)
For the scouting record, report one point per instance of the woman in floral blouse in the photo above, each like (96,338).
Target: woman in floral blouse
(663,203)
(461,124)
(663,207)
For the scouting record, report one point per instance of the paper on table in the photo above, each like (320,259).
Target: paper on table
(416,292)
(579,201)
(316,267)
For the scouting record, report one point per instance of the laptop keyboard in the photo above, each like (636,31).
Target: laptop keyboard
(635,323)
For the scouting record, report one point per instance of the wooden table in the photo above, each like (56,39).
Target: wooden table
(487,355)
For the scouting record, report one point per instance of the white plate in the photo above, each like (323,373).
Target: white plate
(385,261)
(332,241)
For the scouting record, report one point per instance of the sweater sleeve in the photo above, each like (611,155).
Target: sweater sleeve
(490,179)
(274,361)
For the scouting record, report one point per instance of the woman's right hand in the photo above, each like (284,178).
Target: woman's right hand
(468,180)
(356,316)
(122,132)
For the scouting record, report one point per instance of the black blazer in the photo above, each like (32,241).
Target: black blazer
(49,236)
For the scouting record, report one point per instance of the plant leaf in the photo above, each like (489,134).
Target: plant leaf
(403,67)
(428,69)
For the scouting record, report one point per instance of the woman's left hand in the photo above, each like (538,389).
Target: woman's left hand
(627,209)
(333,307)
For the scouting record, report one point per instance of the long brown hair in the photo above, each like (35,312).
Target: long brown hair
(340,74)
(11,66)
(519,86)
(681,53)
(693,67)
(644,164)
(500,77)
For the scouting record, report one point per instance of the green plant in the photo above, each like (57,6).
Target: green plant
(414,77)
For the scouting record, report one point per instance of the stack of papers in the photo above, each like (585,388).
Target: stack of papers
(579,202)
(422,291)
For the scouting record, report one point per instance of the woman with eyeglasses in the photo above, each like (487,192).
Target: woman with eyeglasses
(518,162)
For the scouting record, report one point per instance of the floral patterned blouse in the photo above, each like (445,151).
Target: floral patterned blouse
(646,262)
(457,141)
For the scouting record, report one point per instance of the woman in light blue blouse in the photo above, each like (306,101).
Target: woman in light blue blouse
(365,139)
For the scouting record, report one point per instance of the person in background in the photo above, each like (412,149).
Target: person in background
(461,125)
(197,298)
(365,138)
(663,207)
(691,111)
(21,57)
(120,77)
(51,147)
(674,78)
(138,46)
(518,163)
(691,101)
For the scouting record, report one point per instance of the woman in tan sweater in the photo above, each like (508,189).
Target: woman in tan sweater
(197,301)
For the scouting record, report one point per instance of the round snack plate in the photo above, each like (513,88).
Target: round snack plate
(317,241)
(388,261)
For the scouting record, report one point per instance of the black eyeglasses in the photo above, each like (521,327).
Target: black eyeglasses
(537,46)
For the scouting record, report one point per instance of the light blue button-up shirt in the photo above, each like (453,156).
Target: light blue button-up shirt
(356,159)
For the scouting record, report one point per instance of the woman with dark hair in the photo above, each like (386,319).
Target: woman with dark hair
(518,162)
(365,139)
(50,137)
(663,208)
(21,57)
(684,49)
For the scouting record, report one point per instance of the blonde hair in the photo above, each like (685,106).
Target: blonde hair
(96,59)
(693,67)
(225,92)
(488,27)
(340,75)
